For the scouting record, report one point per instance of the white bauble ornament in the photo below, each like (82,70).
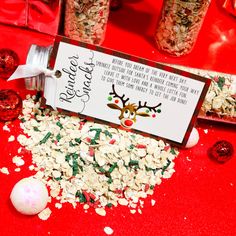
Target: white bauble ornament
(193,138)
(29,196)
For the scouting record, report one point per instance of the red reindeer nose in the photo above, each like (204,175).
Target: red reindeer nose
(128,123)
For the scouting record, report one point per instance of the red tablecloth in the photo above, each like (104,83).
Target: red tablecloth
(199,199)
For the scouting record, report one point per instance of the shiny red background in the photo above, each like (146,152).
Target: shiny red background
(199,199)
(38,15)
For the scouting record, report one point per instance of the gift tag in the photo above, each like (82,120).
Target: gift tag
(124,91)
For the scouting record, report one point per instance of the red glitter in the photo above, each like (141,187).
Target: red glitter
(221,151)
(10,105)
(8,62)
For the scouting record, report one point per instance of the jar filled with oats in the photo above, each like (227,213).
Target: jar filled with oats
(86,20)
(180,23)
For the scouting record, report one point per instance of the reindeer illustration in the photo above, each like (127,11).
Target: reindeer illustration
(129,112)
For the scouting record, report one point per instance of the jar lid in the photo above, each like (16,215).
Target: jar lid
(37,55)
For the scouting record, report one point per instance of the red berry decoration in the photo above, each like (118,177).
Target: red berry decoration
(10,105)
(116,101)
(8,62)
(221,151)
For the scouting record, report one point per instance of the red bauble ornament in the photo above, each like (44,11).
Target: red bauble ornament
(221,151)
(8,62)
(115,4)
(10,105)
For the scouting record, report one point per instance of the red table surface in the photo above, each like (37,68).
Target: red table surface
(199,199)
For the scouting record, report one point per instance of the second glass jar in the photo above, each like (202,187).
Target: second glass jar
(86,20)
(180,23)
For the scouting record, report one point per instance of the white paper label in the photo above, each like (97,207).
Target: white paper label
(124,92)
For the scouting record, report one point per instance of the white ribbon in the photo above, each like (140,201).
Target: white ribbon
(27,71)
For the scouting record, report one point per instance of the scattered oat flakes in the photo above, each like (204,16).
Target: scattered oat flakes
(6,128)
(17,169)
(153,202)
(108,230)
(92,164)
(86,207)
(188,159)
(19,150)
(58,205)
(18,161)
(4,170)
(205,131)
(31,167)
(45,214)
(100,211)
(132,211)
(139,211)
(11,138)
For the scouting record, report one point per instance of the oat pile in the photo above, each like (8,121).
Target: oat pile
(86,20)
(221,97)
(92,164)
(179,25)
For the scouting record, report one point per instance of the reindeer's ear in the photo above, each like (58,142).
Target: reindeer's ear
(142,114)
(114,106)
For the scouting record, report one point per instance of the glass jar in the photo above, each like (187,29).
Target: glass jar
(38,56)
(179,25)
(86,20)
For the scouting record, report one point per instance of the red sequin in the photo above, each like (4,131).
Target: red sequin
(221,151)
(8,62)
(10,105)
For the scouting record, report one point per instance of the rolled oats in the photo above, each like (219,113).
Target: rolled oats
(4,170)
(45,214)
(100,211)
(153,202)
(18,161)
(92,164)
(11,138)
(108,230)
(6,128)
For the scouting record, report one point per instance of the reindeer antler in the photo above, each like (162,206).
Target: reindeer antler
(115,95)
(145,106)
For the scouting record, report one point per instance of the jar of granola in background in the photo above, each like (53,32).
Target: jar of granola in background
(179,25)
(86,20)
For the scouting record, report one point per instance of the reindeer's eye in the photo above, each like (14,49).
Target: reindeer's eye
(132,115)
(126,113)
